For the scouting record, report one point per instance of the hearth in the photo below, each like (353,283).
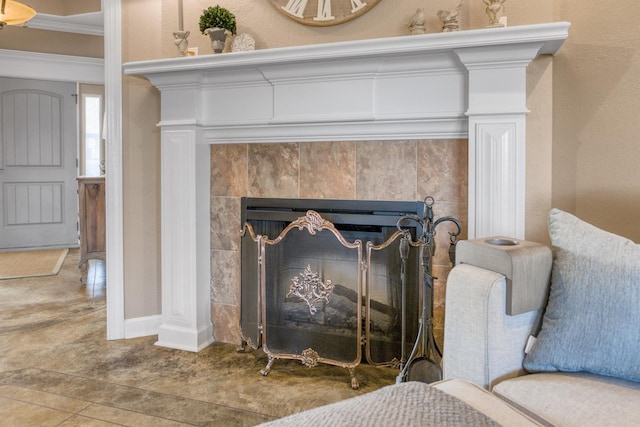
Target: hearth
(322,280)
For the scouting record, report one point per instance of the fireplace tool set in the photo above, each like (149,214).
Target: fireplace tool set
(424,361)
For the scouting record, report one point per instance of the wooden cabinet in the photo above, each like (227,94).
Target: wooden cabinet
(91,195)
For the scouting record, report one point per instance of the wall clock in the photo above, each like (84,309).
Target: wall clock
(324,12)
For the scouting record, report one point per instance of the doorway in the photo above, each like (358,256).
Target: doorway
(20,64)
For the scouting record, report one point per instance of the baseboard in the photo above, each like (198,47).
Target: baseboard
(182,338)
(141,326)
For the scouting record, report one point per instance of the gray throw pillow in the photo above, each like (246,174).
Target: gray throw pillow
(592,320)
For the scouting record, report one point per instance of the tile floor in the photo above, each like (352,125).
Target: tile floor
(57,368)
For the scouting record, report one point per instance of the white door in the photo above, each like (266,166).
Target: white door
(38,196)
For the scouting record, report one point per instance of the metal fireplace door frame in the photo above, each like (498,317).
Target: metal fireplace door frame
(247,228)
(370,249)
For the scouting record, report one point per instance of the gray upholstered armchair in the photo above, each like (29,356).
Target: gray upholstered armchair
(584,366)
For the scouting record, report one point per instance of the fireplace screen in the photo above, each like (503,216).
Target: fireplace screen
(328,292)
(313,294)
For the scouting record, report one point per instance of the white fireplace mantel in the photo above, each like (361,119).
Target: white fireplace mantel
(447,85)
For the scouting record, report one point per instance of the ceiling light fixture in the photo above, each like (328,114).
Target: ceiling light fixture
(15,13)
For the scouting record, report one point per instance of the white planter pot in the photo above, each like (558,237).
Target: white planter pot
(218,37)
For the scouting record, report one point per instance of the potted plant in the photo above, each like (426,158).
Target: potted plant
(218,23)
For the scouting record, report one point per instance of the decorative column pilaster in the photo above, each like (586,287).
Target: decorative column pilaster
(497,137)
(185,224)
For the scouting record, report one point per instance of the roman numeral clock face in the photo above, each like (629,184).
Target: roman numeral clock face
(324,12)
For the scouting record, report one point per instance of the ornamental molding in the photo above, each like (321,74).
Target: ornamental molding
(405,87)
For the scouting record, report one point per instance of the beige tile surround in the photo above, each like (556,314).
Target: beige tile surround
(360,170)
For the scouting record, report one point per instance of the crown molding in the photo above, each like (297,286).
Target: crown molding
(85,23)
(48,66)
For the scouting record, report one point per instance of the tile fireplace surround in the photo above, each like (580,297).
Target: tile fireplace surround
(459,85)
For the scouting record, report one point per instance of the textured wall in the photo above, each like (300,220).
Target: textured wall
(597,98)
(582,151)
(44,41)
(390,18)
(64,7)
(33,40)
(141,163)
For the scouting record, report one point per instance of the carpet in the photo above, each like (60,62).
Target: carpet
(14,265)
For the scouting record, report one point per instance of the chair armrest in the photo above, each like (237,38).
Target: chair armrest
(483,344)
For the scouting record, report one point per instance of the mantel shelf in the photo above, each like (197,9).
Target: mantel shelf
(391,88)
(549,36)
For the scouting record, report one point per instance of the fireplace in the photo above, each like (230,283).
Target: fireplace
(322,280)
(467,84)
(385,169)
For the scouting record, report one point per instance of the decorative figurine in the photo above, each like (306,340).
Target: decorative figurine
(416,26)
(451,18)
(495,11)
(242,43)
(181,42)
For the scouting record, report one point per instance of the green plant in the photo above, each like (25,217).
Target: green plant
(217,17)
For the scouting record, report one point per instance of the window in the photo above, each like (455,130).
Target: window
(91,158)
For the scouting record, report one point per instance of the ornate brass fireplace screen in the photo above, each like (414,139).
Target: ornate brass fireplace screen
(314,308)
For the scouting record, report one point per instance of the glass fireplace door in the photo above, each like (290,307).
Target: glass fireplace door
(311,292)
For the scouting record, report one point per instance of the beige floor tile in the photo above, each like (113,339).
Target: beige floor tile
(21,414)
(127,418)
(58,369)
(79,421)
(47,400)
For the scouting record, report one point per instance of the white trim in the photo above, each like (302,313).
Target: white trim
(497,148)
(84,23)
(113,148)
(142,326)
(186,315)
(48,66)
(186,339)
